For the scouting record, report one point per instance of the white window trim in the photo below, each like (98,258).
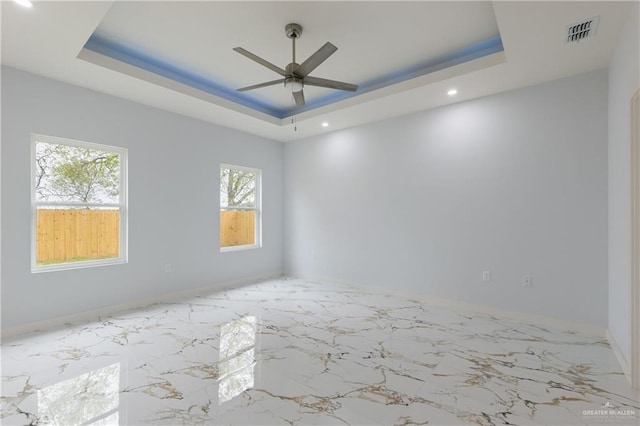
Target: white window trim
(122,206)
(257,209)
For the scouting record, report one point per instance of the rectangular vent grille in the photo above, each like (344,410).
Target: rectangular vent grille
(582,30)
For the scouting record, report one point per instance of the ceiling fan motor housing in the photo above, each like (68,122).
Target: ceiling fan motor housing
(289,69)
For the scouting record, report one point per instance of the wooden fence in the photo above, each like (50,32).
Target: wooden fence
(237,228)
(66,234)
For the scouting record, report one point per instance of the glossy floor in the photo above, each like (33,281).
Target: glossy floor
(287,351)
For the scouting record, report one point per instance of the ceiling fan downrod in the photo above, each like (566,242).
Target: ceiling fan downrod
(293,31)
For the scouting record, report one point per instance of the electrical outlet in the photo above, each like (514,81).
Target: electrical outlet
(168,268)
(527,282)
(486,276)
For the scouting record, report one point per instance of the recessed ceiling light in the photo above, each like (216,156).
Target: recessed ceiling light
(23,3)
(325,124)
(452,92)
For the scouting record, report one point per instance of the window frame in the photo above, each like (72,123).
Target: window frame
(122,205)
(258,209)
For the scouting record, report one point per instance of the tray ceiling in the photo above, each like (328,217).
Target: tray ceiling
(405,55)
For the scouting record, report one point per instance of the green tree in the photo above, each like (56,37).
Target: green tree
(67,173)
(237,188)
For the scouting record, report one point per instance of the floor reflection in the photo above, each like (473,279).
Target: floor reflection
(237,357)
(88,399)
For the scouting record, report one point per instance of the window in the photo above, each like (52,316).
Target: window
(79,204)
(239,208)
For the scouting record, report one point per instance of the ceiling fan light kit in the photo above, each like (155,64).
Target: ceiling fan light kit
(295,84)
(296,76)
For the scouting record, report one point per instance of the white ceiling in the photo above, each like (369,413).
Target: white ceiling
(374,39)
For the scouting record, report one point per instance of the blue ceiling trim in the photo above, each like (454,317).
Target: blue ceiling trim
(165,69)
(466,54)
(157,66)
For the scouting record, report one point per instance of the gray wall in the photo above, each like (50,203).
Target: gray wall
(173,199)
(624,79)
(514,183)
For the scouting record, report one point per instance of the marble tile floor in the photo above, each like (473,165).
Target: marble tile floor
(287,351)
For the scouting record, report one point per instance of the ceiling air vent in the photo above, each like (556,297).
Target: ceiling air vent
(582,30)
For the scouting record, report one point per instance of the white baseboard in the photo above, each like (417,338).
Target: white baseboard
(622,360)
(82,317)
(540,320)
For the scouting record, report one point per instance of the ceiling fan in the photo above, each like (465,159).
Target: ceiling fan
(296,76)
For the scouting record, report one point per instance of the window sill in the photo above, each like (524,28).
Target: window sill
(76,265)
(239,248)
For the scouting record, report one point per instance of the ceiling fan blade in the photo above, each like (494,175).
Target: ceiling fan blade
(314,60)
(330,84)
(299,98)
(261,61)
(257,86)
